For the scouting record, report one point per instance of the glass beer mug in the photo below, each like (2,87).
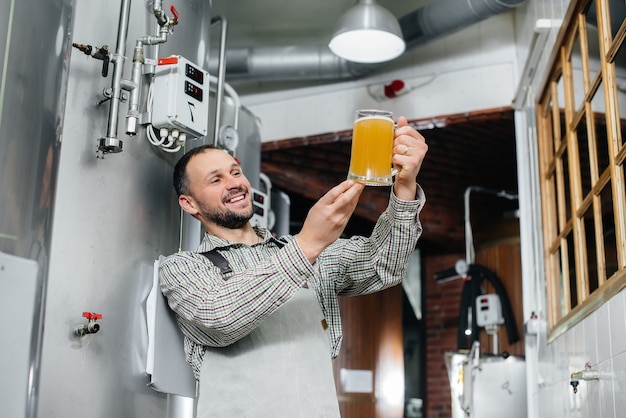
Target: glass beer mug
(372,143)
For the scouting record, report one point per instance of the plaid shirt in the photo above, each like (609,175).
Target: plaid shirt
(216,311)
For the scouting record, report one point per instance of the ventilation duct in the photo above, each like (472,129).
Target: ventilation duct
(290,63)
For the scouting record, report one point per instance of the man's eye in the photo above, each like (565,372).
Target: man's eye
(236,173)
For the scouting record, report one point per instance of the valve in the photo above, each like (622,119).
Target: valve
(175,14)
(91,327)
(587,374)
(101,53)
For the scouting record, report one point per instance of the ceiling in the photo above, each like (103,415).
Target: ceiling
(286,28)
(291,22)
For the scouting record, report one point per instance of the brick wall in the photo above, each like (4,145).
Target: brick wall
(441,316)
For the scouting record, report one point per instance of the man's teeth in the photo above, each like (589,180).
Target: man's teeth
(236,199)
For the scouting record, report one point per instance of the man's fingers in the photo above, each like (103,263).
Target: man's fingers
(347,189)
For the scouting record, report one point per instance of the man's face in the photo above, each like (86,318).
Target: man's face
(219,193)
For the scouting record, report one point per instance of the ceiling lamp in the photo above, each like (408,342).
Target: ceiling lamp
(367,33)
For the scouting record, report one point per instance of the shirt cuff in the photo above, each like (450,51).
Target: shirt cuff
(407,210)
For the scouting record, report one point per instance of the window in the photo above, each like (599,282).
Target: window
(581,118)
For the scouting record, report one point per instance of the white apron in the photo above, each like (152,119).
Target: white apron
(281,369)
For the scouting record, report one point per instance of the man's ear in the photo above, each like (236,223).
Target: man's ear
(188,204)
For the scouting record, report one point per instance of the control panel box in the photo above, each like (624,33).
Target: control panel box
(261,209)
(488,310)
(180,96)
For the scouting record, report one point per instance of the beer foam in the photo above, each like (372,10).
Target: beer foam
(373,117)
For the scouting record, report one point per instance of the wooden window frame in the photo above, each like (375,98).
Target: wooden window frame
(573,289)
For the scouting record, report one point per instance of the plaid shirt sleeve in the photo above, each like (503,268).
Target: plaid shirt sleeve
(370,264)
(216,312)
(361,265)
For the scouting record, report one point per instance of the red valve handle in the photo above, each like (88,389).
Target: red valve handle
(92,315)
(175,13)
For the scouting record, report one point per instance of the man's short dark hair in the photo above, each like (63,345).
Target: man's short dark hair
(181,182)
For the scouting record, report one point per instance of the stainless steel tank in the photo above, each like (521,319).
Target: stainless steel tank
(91,227)
(34,74)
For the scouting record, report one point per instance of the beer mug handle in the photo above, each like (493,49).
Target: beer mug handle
(394,170)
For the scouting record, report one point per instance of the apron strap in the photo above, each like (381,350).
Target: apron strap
(221,263)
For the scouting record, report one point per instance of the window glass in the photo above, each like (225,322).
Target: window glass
(590,244)
(608,228)
(548,152)
(565,187)
(601,138)
(560,102)
(593,42)
(571,264)
(620,66)
(578,84)
(617,9)
(563,289)
(583,154)
(552,211)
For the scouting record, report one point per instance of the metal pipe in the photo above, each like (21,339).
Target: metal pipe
(134,86)
(111,143)
(220,76)
(157,11)
(228,89)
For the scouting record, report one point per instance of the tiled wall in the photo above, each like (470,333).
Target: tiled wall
(600,341)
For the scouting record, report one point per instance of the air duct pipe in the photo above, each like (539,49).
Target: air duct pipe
(436,20)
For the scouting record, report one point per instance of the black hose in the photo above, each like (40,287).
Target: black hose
(471,290)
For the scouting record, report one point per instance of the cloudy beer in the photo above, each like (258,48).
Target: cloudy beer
(372,142)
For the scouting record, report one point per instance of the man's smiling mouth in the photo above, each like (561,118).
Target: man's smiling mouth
(236,199)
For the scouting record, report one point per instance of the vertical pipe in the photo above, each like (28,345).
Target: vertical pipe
(469,240)
(111,143)
(220,77)
(179,406)
(531,244)
(132,116)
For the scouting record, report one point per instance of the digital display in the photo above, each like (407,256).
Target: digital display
(193,91)
(195,74)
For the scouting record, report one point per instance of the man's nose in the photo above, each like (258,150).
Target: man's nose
(234,182)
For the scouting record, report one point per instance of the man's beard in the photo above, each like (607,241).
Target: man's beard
(227,218)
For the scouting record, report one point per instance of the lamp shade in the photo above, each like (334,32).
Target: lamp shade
(367,33)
